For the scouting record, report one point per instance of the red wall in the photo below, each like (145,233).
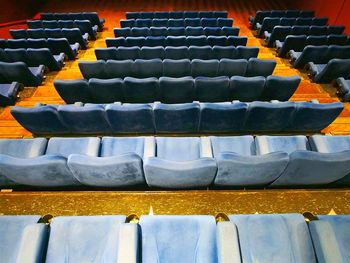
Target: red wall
(338,11)
(14,10)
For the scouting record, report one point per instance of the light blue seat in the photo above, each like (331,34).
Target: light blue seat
(273,238)
(173,238)
(180,163)
(176,118)
(119,164)
(239,165)
(88,119)
(267,116)
(42,119)
(338,146)
(130,118)
(23,239)
(330,236)
(306,167)
(14,150)
(222,117)
(50,170)
(85,239)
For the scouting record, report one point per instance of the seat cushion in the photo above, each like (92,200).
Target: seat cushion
(113,146)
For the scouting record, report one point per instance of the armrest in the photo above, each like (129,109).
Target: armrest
(149,147)
(33,243)
(228,243)
(128,243)
(312,68)
(205,149)
(278,44)
(267,35)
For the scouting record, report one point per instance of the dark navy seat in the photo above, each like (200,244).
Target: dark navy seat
(8,93)
(20,72)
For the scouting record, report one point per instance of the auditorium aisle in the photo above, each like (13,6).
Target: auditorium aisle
(113,11)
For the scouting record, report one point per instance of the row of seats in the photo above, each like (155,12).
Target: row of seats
(177,162)
(73,35)
(181,52)
(8,93)
(269,23)
(298,43)
(343,85)
(20,72)
(282,32)
(84,25)
(180,22)
(33,57)
(225,117)
(176,14)
(141,68)
(318,54)
(176,238)
(56,45)
(177,41)
(91,16)
(177,90)
(260,15)
(326,73)
(175,31)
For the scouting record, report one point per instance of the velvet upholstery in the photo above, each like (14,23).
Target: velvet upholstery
(176,14)
(180,22)
(274,238)
(182,161)
(20,72)
(334,69)
(176,41)
(84,238)
(22,239)
(343,86)
(8,93)
(192,237)
(330,236)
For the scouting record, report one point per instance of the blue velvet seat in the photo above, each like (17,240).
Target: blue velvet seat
(247,52)
(105,90)
(85,238)
(143,90)
(337,39)
(43,56)
(291,42)
(280,88)
(73,90)
(176,68)
(87,119)
(278,33)
(58,45)
(334,69)
(116,42)
(336,145)
(74,35)
(176,118)
(175,41)
(318,30)
(93,69)
(119,164)
(177,90)
(106,53)
(232,67)
(180,163)
(152,53)
(18,33)
(338,30)
(307,116)
(316,40)
(23,239)
(246,88)
(50,169)
(237,40)
(165,238)
(34,24)
(260,67)
(266,116)
(20,149)
(239,164)
(181,52)
(273,238)
(36,33)
(20,72)
(117,69)
(219,52)
(310,54)
(330,236)
(343,88)
(176,14)
(222,117)
(126,53)
(214,89)
(134,41)
(130,118)
(153,41)
(203,52)
(306,167)
(8,93)
(147,68)
(267,25)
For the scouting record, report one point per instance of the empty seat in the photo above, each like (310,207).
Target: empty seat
(73,90)
(148,68)
(144,90)
(184,162)
(246,88)
(240,165)
(125,53)
(152,52)
(334,69)
(176,68)
(222,117)
(260,67)
(203,52)
(278,33)
(292,243)
(212,89)
(105,90)
(23,238)
(99,238)
(93,69)
(310,54)
(181,52)
(176,118)
(337,30)
(8,93)
(280,88)
(330,236)
(208,68)
(230,67)
(343,88)
(119,164)
(177,90)
(267,25)
(18,33)
(43,56)
(296,43)
(19,72)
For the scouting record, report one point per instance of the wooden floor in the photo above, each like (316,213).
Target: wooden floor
(113,11)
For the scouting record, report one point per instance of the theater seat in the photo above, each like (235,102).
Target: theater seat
(280,88)
(180,163)
(23,239)
(177,90)
(86,238)
(144,90)
(119,164)
(343,88)
(334,69)
(330,236)
(260,67)
(192,239)
(272,238)
(246,88)
(239,165)
(73,90)
(43,56)
(50,169)
(20,72)
(8,93)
